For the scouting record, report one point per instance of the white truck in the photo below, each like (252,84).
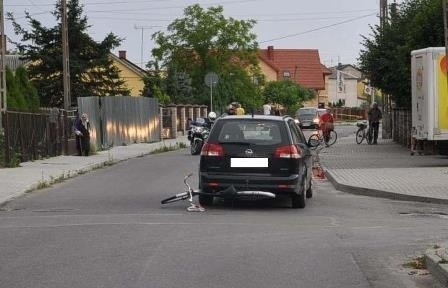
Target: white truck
(430,95)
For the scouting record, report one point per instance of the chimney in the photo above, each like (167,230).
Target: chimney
(122,54)
(271,52)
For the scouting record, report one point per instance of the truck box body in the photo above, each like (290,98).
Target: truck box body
(429,94)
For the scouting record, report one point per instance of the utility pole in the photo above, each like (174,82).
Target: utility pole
(143,28)
(445,22)
(65,72)
(65,57)
(387,105)
(3,103)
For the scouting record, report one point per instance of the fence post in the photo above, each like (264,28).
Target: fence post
(7,145)
(162,136)
(64,131)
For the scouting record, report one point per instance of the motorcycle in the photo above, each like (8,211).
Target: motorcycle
(197,134)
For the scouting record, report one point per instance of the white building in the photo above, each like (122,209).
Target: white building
(347,84)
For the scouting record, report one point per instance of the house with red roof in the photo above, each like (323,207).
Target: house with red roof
(301,66)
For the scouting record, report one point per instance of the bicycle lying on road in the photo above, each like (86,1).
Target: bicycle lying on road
(229,192)
(363,133)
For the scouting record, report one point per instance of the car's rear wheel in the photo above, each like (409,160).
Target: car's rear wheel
(205,200)
(298,200)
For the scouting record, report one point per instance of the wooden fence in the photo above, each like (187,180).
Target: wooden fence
(32,136)
(348,114)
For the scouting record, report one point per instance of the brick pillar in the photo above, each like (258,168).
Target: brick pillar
(198,111)
(190,113)
(173,110)
(183,120)
(204,111)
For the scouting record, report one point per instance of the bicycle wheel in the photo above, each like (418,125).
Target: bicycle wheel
(360,136)
(332,137)
(175,198)
(315,137)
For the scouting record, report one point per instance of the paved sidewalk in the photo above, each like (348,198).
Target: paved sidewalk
(14,182)
(388,170)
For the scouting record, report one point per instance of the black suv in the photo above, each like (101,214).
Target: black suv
(257,153)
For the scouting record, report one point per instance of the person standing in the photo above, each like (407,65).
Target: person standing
(240,110)
(374,116)
(82,127)
(267,109)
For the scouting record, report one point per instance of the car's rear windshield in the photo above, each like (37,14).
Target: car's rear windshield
(256,131)
(310,111)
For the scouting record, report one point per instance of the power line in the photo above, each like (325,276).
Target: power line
(143,1)
(317,29)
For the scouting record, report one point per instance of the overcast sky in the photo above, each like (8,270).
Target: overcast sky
(334,27)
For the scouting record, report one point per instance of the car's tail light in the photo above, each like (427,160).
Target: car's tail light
(214,150)
(289,151)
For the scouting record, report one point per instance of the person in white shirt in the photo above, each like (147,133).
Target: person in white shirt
(267,109)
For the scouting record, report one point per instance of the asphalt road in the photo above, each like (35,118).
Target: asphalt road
(107,228)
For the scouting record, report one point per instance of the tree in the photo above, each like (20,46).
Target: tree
(205,41)
(21,95)
(385,58)
(27,89)
(287,93)
(92,72)
(153,79)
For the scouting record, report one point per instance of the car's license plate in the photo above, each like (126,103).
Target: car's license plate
(248,162)
(306,124)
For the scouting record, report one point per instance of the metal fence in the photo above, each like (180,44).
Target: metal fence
(401,126)
(121,120)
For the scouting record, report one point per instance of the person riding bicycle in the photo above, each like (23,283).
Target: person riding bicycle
(326,124)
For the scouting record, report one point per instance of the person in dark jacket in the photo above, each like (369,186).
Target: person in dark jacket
(374,121)
(82,127)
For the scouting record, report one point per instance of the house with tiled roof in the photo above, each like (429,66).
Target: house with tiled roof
(130,73)
(301,66)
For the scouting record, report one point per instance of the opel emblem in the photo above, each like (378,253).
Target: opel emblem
(249,151)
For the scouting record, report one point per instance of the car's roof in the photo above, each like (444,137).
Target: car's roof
(255,116)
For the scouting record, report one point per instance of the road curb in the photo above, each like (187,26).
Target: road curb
(379,193)
(434,263)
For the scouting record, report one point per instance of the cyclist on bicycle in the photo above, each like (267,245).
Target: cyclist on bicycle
(326,124)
